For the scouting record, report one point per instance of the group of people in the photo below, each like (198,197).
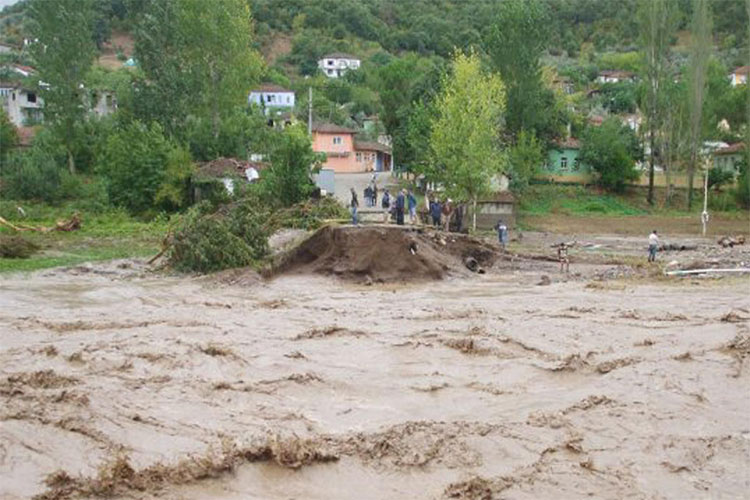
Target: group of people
(441,212)
(393,207)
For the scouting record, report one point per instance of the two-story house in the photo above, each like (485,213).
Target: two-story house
(23,106)
(336,65)
(271,98)
(344,154)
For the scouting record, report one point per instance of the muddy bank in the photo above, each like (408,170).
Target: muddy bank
(480,386)
(384,254)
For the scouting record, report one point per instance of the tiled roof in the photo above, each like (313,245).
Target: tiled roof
(569,143)
(330,128)
(270,87)
(371,146)
(742,70)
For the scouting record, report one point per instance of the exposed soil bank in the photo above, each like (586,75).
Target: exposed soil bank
(385,253)
(480,386)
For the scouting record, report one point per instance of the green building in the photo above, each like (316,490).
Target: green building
(563,163)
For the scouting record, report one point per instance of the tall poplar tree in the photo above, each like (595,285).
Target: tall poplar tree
(657,20)
(700,52)
(63,55)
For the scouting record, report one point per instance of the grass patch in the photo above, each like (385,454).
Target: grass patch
(103,236)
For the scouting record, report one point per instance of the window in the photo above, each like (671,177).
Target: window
(359,157)
(337,140)
(287,99)
(564,162)
(329,62)
(330,71)
(31,97)
(576,164)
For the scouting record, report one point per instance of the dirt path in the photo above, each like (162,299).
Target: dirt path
(305,387)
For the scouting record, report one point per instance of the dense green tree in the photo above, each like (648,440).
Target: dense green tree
(141,167)
(288,180)
(63,56)
(197,59)
(8,136)
(464,134)
(611,151)
(524,160)
(518,39)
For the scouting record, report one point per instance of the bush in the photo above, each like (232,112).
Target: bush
(207,242)
(37,174)
(611,150)
(742,191)
(144,170)
(16,247)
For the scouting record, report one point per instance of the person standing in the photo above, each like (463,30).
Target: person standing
(447,213)
(386,204)
(368,196)
(562,256)
(412,200)
(400,206)
(502,233)
(374,195)
(354,205)
(653,245)
(435,212)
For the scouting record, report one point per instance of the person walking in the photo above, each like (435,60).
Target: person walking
(400,206)
(502,233)
(435,212)
(412,200)
(653,245)
(354,204)
(386,204)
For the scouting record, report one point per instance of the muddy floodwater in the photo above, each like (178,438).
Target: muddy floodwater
(481,386)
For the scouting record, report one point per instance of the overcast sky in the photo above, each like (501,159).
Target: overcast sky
(3,3)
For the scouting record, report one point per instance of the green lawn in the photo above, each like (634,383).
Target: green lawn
(103,236)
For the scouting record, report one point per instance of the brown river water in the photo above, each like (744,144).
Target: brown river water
(472,387)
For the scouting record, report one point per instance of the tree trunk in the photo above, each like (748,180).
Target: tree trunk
(474,214)
(691,175)
(650,196)
(71,162)
(215,119)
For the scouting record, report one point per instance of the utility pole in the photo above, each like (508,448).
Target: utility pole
(309,111)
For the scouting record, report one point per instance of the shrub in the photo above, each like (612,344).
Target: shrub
(207,242)
(742,191)
(287,181)
(16,247)
(143,169)
(611,150)
(37,174)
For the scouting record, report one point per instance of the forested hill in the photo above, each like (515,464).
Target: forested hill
(426,27)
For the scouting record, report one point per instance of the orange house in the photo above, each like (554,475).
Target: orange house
(344,154)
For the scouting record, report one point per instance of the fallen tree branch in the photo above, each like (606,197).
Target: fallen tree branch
(73,224)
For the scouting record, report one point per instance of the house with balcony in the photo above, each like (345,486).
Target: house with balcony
(337,64)
(273,99)
(345,154)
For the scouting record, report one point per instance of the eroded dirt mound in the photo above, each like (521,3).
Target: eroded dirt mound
(384,253)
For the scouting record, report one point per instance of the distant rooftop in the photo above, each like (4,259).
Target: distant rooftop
(330,128)
(271,87)
(339,55)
